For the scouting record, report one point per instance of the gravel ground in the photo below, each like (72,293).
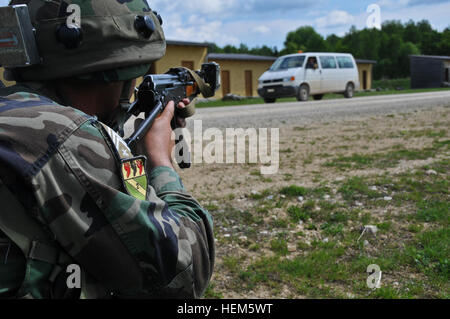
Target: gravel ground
(274,115)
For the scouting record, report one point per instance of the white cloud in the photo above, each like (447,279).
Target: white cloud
(436,14)
(334,19)
(262,29)
(198,29)
(393,4)
(249,31)
(231,8)
(207,7)
(266,22)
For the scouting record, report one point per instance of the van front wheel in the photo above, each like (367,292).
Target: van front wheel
(303,93)
(349,91)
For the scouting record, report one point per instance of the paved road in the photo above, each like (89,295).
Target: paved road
(297,113)
(304,113)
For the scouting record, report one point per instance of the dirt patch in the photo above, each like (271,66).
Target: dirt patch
(304,150)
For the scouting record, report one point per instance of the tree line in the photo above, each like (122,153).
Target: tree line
(390,46)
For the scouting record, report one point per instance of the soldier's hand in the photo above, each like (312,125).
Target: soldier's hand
(159,141)
(181,122)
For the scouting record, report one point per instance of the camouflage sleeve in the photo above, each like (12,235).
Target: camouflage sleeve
(161,247)
(169,187)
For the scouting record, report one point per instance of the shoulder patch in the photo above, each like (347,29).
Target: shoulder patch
(132,169)
(134,177)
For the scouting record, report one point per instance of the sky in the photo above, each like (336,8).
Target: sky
(266,22)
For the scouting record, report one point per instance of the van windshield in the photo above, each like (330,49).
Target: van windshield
(288,63)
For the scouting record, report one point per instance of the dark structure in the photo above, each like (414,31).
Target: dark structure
(429,71)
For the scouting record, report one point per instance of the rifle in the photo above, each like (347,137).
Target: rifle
(157,90)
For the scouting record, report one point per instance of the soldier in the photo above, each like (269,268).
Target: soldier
(64,200)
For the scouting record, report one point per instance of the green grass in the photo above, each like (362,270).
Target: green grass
(391,158)
(384,226)
(211,207)
(302,213)
(383,160)
(279,246)
(356,188)
(210,293)
(412,246)
(260,195)
(433,211)
(245,101)
(392,84)
(332,229)
(305,274)
(428,193)
(407,134)
(294,191)
(430,254)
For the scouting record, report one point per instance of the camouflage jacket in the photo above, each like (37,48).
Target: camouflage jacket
(62,166)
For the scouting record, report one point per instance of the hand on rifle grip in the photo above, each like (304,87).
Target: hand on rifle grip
(158,143)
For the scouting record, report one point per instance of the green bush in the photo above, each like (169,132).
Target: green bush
(294,190)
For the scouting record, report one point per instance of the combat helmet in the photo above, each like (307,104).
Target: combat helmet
(116,40)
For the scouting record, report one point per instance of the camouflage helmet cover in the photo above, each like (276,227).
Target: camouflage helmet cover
(110,38)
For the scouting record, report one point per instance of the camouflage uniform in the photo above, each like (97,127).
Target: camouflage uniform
(64,169)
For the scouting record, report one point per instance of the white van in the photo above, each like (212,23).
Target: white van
(309,74)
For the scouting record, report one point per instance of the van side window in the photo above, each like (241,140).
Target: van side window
(328,62)
(345,62)
(312,63)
